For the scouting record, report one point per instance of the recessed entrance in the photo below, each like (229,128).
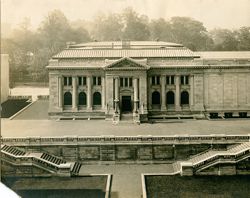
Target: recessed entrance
(126,104)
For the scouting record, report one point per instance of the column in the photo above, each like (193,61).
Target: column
(177,93)
(116,94)
(89,93)
(74,95)
(149,93)
(191,90)
(60,92)
(136,98)
(163,92)
(103,93)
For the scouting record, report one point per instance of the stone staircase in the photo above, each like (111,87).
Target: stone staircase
(76,168)
(127,117)
(44,161)
(52,159)
(209,158)
(12,150)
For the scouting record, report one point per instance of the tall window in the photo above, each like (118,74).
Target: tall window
(155,80)
(97,80)
(156,98)
(125,82)
(184,98)
(67,81)
(184,80)
(170,80)
(97,98)
(170,98)
(82,81)
(67,98)
(82,98)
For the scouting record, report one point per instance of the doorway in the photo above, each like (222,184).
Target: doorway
(126,104)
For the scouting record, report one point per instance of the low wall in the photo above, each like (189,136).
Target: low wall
(123,149)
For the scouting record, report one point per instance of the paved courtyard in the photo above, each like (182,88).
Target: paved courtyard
(23,128)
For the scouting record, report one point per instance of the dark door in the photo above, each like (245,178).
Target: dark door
(126,104)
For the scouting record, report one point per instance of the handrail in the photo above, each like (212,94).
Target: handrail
(223,153)
(34,159)
(221,159)
(171,139)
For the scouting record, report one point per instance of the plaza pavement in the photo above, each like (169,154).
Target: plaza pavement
(34,121)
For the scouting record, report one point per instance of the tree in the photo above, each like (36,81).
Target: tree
(224,40)
(135,27)
(107,28)
(190,33)
(160,29)
(243,37)
(54,30)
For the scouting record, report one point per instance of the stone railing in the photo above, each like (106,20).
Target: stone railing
(61,169)
(221,158)
(78,140)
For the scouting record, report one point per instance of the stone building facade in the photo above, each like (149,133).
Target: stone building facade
(147,79)
(4,77)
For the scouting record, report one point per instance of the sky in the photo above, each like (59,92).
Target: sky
(230,14)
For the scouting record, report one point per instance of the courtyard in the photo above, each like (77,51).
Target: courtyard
(34,121)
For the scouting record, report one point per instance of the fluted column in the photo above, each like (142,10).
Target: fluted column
(177,93)
(74,95)
(163,92)
(89,94)
(136,98)
(116,94)
(191,90)
(60,92)
(103,93)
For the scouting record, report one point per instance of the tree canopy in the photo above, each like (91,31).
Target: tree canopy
(30,50)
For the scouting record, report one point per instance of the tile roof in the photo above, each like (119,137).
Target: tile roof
(224,54)
(133,53)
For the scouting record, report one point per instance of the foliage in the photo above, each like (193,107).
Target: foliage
(30,51)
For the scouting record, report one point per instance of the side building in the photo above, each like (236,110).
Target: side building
(147,79)
(4,77)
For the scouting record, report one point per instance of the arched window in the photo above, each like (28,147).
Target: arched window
(97,98)
(67,98)
(156,98)
(170,98)
(184,98)
(82,98)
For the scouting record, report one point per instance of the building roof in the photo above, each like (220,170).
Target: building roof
(224,55)
(132,53)
(132,49)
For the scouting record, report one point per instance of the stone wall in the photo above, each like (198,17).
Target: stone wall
(227,90)
(132,153)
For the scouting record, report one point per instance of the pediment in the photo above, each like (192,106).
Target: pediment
(127,63)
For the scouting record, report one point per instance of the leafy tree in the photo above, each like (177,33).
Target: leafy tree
(54,30)
(160,29)
(107,28)
(243,38)
(135,27)
(190,33)
(224,40)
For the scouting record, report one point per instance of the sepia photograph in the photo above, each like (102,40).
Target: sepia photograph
(125,99)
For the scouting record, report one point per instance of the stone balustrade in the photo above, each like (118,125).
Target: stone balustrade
(78,140)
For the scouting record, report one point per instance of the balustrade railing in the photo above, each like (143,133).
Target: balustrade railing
(208,139)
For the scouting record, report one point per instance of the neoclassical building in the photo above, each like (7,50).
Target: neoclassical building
(147,79)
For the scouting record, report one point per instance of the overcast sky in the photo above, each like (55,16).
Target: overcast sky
(213,13)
